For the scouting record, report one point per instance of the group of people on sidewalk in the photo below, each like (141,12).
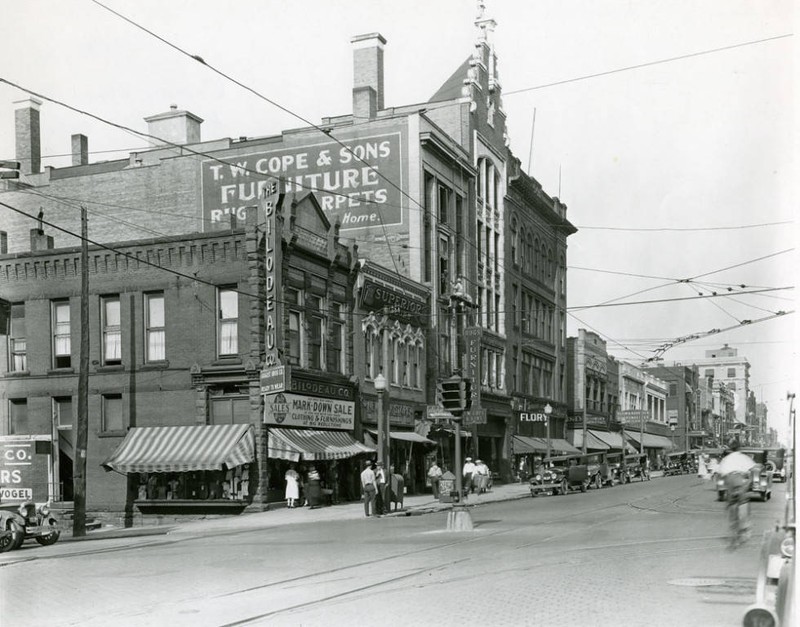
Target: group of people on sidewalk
(476,477)
(377,487)
(312,487)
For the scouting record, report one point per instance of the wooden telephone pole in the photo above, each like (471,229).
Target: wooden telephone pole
(82,436)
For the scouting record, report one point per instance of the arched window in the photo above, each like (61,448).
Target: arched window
(536,259)
(514,242)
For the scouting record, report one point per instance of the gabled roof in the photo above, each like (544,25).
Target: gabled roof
(451,89)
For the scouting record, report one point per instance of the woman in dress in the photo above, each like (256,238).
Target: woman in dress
(292,486)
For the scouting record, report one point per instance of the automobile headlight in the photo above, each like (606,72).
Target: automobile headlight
(787,546)
(538,477)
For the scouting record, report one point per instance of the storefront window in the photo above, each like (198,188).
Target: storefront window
(203,485)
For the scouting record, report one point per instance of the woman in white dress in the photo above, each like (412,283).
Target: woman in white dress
(292,486)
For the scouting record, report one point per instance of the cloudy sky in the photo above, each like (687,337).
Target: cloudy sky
(666,127)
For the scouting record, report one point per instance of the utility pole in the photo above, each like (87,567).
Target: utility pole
(79,480)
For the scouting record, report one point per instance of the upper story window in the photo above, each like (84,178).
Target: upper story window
(62,346)
(443,203)
(18,417)
(316,329)
(293,304)
(514,242)
(336,337)
(228,322)
(112,336)
(155,330)
(731,372)
(112,418)
(709,372)
(17,345)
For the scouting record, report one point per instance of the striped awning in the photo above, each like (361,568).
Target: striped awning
(183,449)
(313,445)
(405,436)
(613,440)
(593,443)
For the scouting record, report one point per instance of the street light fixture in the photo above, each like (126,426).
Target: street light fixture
(548,409)
(383,426)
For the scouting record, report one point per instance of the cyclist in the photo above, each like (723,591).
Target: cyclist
(735,469)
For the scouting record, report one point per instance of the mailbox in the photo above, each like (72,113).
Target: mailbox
(447,487)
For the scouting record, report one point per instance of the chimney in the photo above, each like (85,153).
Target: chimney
(28,135)
(40,241)
(80,149)
(3,243)
(174,127)
(367,75)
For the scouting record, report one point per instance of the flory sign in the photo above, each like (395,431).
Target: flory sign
(272,203)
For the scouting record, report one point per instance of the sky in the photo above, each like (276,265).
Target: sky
(643,116)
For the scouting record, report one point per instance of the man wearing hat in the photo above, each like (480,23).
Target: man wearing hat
(368,487)
(467,472)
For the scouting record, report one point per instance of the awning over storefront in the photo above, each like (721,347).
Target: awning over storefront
(313,445)
(651,440)
(593,443)
(525,444)
(405,436)
(562,446)
(183,449)
(613,440)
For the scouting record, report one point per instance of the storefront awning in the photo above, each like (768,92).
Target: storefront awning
(313,445)
(651,440)
(562,446)
(593,443)
(525,444)
(183,449)
(405,436)
(613,440)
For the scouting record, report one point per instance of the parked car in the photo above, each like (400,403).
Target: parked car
(760,476)
(776,457)
(635,467)
(550,477)
(27,521)
(675,464)
(611,469)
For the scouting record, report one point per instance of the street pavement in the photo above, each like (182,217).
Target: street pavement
(649,553)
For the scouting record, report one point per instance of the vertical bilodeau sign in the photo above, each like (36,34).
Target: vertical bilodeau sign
(472,368)
(272,203)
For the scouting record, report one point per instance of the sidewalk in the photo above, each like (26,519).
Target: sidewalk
(412,506)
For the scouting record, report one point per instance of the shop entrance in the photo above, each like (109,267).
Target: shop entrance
(63,450)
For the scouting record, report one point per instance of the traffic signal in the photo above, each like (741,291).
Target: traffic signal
(453,394)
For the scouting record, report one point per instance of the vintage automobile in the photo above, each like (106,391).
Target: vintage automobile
(567,473)
(635,467)
(550,477)
(776,459)
(774,602)
(27,521)
(760,476)
(676,464)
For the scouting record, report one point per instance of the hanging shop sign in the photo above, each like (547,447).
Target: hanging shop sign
(321,388)
(313,412)
(375,296)
(273,380)
(400,414)
(472,363)
(632,416)
(24,468)
(273,259)
(474,416)
(357,180)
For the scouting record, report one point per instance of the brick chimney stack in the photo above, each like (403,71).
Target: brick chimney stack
(80,149)
(28,135)
(367,75)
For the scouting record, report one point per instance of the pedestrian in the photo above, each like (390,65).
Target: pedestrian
(292,486)
(481,476)
(314,489)
(466,473)
(380,481)
(435,474)
(369,488)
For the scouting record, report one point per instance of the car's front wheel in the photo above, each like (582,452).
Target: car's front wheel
(11,537)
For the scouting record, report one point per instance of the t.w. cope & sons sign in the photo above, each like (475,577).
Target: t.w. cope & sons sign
(314,412)
(358,180)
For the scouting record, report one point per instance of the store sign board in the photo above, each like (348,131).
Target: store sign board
(526,416)
(24,471)
(435,413)
(472,363)
(632,416)
(357,180)
(313,412)
(321,388)
(375,296)
(474,416)
(400,414)
(273,259)
(274,379)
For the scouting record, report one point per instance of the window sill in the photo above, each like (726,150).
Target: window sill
(155,365)
(233,360)
(18,373)
(112,434)
(111,368)
(69,370)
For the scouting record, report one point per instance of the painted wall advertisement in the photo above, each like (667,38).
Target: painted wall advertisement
(24,468)
(357,181)
(313,412)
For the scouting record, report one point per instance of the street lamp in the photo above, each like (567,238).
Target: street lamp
(548,409)
(383,423)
